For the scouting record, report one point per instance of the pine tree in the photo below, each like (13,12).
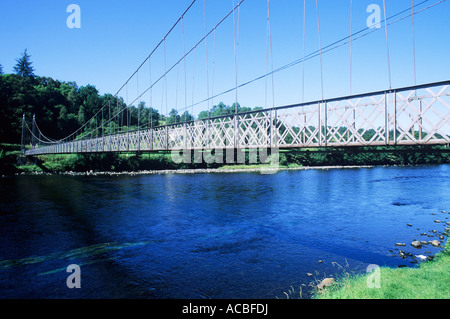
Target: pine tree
(81,116)
(1,69)
(23,66)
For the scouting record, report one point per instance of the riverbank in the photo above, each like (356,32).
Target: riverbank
(252,169)
(248,159)
(430,280)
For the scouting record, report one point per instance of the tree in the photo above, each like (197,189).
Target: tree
(1,70)
(203,115)
(173,117)
(152,116)
(23,66)
(81,118)
(186,117)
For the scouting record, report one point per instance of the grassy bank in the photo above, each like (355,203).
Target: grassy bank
(430,280)
(9,154)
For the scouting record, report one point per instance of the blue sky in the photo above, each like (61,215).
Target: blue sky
(116,36)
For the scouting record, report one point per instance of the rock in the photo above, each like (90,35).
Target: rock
(421,257)
(437,221)
(326,283)
(416,244)
(309,274)
(424,242)
(400,244)
(435,243)
(410,225)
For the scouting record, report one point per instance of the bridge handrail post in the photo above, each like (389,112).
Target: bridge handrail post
(151,139)
(326,122)
(319,120)
(128,139)
(236,131)
(386,120)
(139,139)
(395,117)
(185,134)
(167,137)
(208,142)
(270,127)
(420,119)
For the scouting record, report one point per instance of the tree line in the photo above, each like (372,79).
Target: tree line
(63,107)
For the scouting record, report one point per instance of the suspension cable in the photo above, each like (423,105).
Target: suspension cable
(193,79)
(387,44)
(304,45)
(269,51)
(214,70)
(206,53)
(236,48)
(351,43)
(151,94)
(328,48)
(134,73)
(165,76)
(185,72)
(320,46)
(414,42)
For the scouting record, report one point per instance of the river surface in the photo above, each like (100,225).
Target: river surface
(225,235)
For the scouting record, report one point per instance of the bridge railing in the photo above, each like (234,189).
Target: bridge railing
(418,115)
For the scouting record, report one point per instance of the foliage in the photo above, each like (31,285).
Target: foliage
(8,158)
(61,107)
(23,66)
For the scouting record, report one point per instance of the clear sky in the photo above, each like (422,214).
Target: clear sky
(116,36)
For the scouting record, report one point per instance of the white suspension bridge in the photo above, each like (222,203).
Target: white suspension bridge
(415,115)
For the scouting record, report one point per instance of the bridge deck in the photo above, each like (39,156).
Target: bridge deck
(418,115)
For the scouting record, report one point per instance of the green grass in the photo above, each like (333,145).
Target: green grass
(430,280)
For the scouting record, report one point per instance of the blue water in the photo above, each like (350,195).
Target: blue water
(232,235)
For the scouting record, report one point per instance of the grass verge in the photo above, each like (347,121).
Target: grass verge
(430,280)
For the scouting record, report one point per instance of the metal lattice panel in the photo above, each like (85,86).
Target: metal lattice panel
(417,115)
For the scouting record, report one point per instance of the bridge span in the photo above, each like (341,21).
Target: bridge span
(416,115)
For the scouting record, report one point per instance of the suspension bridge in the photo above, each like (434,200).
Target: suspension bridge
(415,115)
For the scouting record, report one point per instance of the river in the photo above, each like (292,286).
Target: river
(223,235)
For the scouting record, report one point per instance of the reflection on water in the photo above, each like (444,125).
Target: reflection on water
(236,235)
